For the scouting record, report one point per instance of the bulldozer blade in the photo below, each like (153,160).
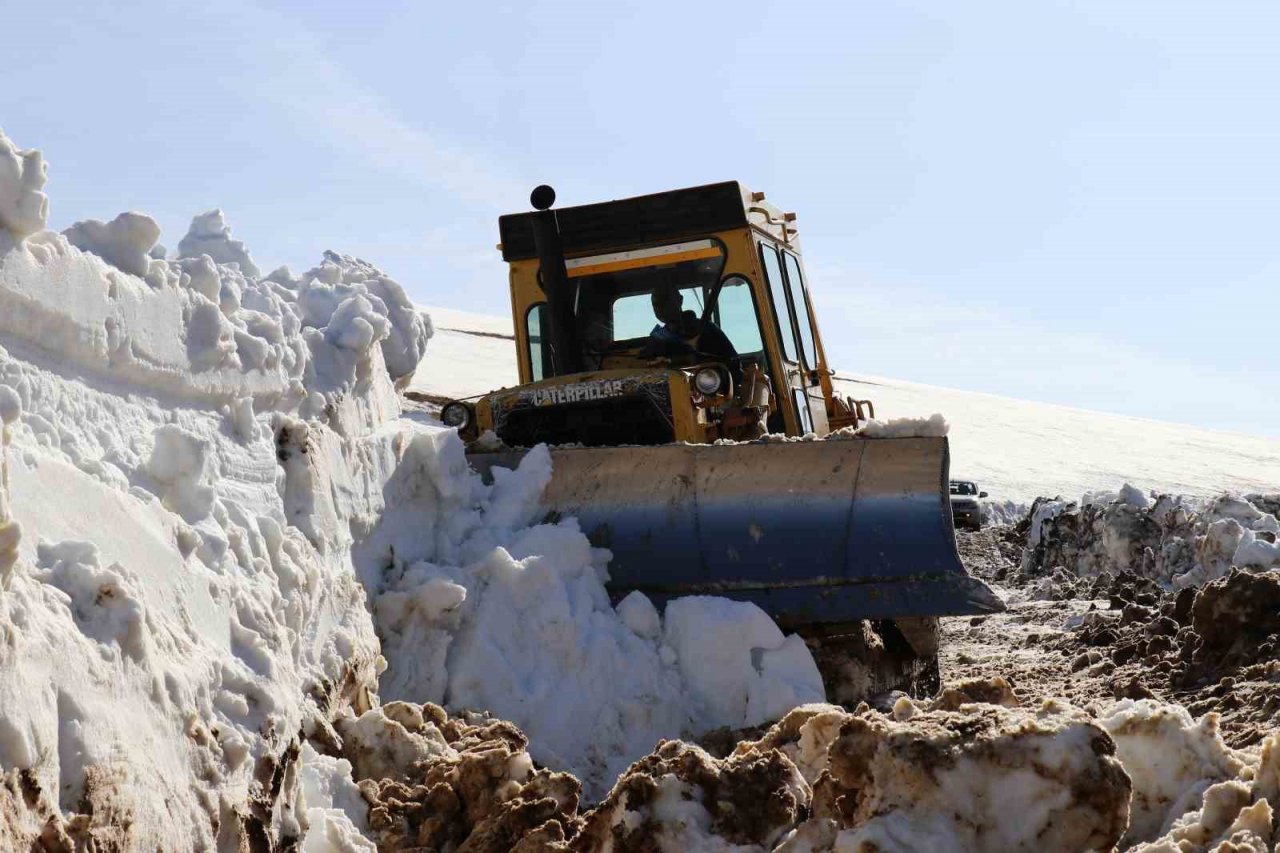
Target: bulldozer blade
(814,532)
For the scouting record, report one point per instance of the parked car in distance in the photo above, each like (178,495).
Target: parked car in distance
(966,506)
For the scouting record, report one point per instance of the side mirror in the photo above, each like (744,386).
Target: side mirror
(982,494)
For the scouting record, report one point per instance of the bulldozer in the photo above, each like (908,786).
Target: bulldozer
(670,356)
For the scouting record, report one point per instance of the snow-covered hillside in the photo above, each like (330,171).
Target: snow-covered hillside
(1017,450)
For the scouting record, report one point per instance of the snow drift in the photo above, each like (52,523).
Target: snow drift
(1176,540)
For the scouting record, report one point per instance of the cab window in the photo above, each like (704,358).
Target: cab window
(800,299)
(539,351)
(735,314)
(778,296)
(633,315)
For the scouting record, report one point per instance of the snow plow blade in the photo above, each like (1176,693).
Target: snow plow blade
(814,532)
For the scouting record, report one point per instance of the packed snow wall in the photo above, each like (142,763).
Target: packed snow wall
(169,633)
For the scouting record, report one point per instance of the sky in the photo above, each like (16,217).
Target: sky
(1069,202)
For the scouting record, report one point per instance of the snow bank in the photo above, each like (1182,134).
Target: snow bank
(1190,791)
(179,612)
(1176,540)
(1170,758)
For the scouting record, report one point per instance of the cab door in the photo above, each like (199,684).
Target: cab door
(797,375)
(807,331)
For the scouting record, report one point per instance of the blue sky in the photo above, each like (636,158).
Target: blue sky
(1072,202)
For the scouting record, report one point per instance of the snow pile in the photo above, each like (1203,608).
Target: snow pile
(125,242)
(210,235)
(1003,512)
(476,609)
(1177,541)
(934,426)
(1190,791)
(1170,758)
(439,783)
(23,207)
(921,779)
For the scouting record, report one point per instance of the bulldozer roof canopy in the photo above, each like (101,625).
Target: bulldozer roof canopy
(632,221)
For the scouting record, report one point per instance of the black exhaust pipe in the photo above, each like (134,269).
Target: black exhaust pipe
(562,329)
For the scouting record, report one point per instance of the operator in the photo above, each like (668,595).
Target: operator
(684,331)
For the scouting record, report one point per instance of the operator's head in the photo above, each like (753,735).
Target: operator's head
(667,304)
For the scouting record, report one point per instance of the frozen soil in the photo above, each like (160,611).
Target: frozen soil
(1020,644)
(1124,637)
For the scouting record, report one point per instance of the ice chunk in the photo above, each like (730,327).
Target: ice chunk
(104,601)
(10,405)
(1134,497)
(1171,758)
(638,613)
(125,242)
(934,426)
(178,463)
(325,785)
(211,235)
(1256,552)
(23,207)
(737,662)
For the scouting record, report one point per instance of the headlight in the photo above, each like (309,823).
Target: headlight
(709,381)
(457,415)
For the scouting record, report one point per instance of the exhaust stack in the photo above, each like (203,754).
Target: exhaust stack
(562,330)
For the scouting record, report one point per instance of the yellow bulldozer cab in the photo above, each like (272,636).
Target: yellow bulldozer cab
(720,242)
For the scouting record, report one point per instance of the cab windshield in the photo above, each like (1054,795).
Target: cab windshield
(651,304)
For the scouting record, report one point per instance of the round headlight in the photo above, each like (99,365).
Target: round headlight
(708,381)
(457,415)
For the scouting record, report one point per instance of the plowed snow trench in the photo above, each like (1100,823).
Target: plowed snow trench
(248,600)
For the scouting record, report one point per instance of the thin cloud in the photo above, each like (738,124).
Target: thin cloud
(911,332)
(318,91)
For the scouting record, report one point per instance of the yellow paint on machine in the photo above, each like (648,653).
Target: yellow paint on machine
(639,262)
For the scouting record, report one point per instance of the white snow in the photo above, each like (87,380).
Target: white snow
(934,426)
(211,235)
(709,637)
(125,242)
(23,207)
(483,611)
